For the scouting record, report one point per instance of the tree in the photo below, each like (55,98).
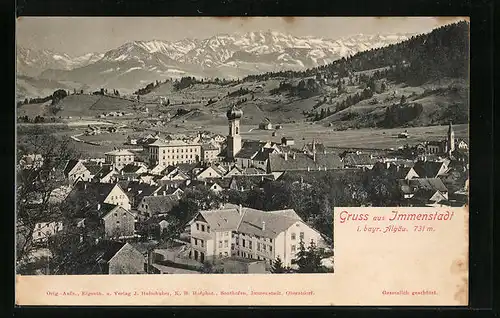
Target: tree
(309,260)
(36,184)
(277,267)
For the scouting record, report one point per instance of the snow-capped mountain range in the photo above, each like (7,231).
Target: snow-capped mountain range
(227,55)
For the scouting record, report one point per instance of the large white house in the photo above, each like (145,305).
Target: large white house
(249,233)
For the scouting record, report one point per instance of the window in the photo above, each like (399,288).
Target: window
(301,235)
(163,150)
(197,227)
(293,236)
(243,242)
(163,157)
(226,243)
(250,244)
(195,242)
(258,246)
(116,214)
(263,247)
(117,222)
(208,229)
(39,234)
(293,248)
(124,214)
(220,244)
(225,254)
(202,243)
(220,254)
(270,248)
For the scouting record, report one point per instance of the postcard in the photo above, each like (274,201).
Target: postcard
(183,161)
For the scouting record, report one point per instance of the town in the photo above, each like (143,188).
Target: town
(209,203)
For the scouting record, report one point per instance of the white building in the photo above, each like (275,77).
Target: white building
(173,152)
(119,158)
(249,233)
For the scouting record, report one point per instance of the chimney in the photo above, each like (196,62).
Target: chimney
(98,206)
(85,186)
(293,155)
(308,169)
(164,192)
(263,226)
(286,156)
(240,209)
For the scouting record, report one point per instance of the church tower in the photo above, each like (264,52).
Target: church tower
(233,139)
(451,139)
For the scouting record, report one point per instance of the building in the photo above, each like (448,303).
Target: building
(430,169)
(119,158)
(155,205)
(106,257)
(287,141)
(81,170)
(44,230)
(173,152)
(94,192)
(424,186)
(279,163)
(266,125)
(209,153)
(234,138)
(362,160)
(450,142)
(314,147)
(210,172)
(234,231)
(240,265)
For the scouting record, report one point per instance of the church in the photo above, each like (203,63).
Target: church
(244,153)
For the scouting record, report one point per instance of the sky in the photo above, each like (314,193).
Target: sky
(80,35)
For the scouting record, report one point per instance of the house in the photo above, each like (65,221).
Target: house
(403,172)
(105,257)
(461,144)
(241,265)
(132,140)
(248,182)
(95,192)
(234,171)
(136,190)
(106,174)
(312,147)
(209,153)
(279,163)
(119,158)
(423,197)
(44,230)
(287,141)
(249,233)
(109,221)
(80,170)
(409,187)
(430,169)
(132,171)
(157,204)
(214,184)
(262,158)
(435,147)
(362,160)
(210,172)
(266,125)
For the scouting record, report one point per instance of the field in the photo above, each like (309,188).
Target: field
(302,133)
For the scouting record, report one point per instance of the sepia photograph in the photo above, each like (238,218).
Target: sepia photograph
(221,145)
